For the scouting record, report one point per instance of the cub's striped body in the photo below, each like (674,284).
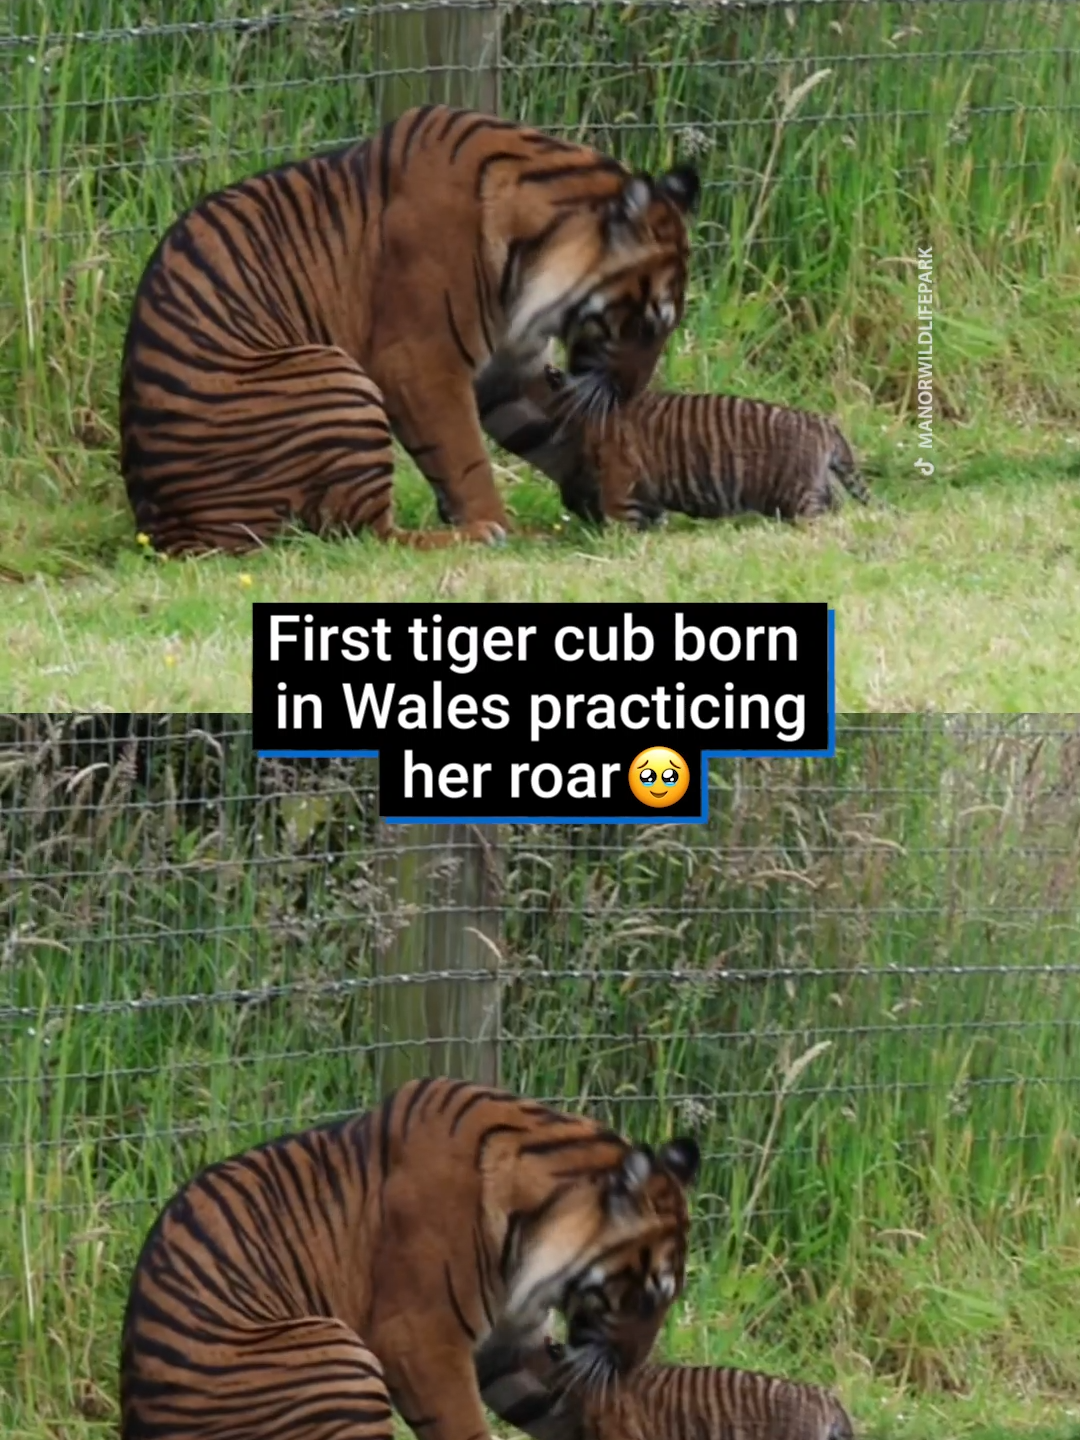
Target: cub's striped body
(295,1291)
(665,1402)
(704,455)
(719,455)
(285,325)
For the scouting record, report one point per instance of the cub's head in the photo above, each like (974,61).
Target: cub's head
(611,480)
(608,1251)
(607,277)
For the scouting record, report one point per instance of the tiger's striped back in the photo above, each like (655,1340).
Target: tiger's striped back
(292,1291)
(665,1402)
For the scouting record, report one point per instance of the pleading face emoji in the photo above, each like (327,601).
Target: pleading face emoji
(659,776)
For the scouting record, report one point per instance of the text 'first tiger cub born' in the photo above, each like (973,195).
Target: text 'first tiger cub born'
(286,325)
(663,1402)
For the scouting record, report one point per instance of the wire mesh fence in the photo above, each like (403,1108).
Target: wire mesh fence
(825,131)
(859,984)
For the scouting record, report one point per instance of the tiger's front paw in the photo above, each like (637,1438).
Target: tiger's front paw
(483,532)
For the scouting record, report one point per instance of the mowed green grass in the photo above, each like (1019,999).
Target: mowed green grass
(948,596)
(832,146)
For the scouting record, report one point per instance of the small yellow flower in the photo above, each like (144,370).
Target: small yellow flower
(142,539)
(245,579)
(170,659)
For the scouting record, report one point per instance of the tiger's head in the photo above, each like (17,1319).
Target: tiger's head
(607,278)
(608,1251)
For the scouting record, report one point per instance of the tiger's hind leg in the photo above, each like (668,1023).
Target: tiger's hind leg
(354,489)
(811,490)
(310,1379)
(298,436)
(813,502)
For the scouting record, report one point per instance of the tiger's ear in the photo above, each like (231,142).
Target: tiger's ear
(681,1158)
(633,1171)
(681,187)
(632,201)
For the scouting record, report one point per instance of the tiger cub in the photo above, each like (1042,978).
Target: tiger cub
(703,455)
(663,1402)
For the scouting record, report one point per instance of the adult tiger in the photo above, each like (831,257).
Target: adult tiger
(297,1289)
(663,1402)
(284,325)
(706,455)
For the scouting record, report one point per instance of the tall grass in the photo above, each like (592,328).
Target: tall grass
(858,984)
(834,140)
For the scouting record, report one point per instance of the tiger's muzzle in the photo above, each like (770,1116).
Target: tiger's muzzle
(618,371)
(604,1343)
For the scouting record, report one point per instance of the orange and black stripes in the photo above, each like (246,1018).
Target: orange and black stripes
(720,455)
(684,1402)
(286,325)
(704,455)
(299,1289)
(664,1402)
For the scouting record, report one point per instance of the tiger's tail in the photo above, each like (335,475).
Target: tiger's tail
(845,471)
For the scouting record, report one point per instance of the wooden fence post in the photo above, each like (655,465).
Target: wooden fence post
(443,882)
(443,55)
(442,886)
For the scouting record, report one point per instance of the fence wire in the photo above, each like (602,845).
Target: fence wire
(819,127)
(859,968)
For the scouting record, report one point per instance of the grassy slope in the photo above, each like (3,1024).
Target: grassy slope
(959,592)
(954,130)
